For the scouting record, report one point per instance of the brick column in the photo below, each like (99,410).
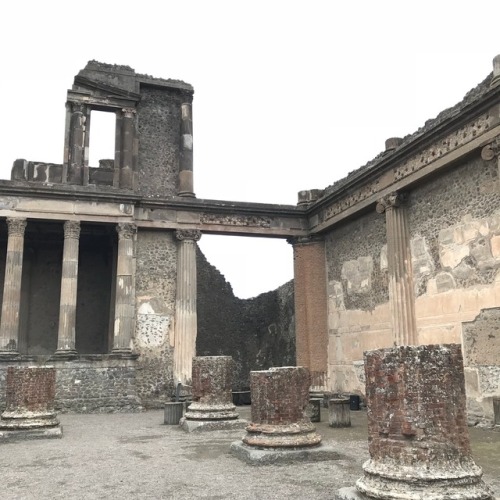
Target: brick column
(280,397)
(401,294)
(212,382)
(417,423)
(29,407)
(311,308)
(185,306)
(69,281)
(124,301)
(186,161)
(9,328)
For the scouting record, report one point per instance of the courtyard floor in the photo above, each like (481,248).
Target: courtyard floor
(136,456)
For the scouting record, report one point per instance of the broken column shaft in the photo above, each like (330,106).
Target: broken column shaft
(279,402)
(417,424)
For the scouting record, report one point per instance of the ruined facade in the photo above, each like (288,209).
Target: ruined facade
(100,270)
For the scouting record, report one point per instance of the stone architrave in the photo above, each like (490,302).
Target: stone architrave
(401,294)
(124,302)
(29,411)
(11,304)
(417,425)
(66,338)
(185,306)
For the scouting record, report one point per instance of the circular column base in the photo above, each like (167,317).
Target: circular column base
(206,411)
(297,435)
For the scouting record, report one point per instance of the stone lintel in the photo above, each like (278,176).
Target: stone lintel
(270,456)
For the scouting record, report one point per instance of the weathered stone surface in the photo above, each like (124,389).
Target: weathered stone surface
(418,438)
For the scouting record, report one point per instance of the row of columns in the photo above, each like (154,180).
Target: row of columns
(124,302)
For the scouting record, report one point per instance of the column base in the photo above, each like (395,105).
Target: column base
(65,354)
(6,355)
(123,354)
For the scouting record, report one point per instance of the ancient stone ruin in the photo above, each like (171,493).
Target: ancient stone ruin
(418,437)
(29,412)
(212,405)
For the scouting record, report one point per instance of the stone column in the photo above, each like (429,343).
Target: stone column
(67,312)
(401,294)
(311,308)
(29,411)
(185,306)
(124,302)
(76,147)
(9,328)
(212,382)
(127,152)
(417,424)
(280,397)
(186,160)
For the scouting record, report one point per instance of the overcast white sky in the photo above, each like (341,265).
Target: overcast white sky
(289,95)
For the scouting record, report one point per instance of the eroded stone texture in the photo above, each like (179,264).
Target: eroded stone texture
(418,437)
(280,397)
(30,398)
(212,381)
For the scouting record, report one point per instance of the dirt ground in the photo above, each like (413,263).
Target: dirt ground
(135,455)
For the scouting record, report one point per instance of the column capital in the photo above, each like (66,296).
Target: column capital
(72,229)
(16,226)
(188,234)
(390,201)
(129,112)
(491,150)
(126,230)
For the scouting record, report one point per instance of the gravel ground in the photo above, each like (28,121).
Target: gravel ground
(137,456)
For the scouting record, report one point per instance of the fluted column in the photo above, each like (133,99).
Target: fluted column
(9,328)
(124,302)
(66,336)
(186,161)
(401,294)
(185,306)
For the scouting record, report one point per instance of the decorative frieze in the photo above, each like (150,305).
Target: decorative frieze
(236,220)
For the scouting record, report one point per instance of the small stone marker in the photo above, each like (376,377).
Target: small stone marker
(339,412)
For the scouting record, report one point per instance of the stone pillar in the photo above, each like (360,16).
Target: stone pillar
(185,306)
(77,141)
(186,160)
(311,308)
(29,411)
(127,152)
(280,397)
(124,301)
(67,312)
(417,424)
(9,328)
(401,294)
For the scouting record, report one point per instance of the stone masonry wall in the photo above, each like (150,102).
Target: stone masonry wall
(156,272)
(258,333)
(159,128)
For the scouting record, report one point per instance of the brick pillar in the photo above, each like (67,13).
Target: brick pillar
(417,425)
(124,301)
(69,281)
(186,161)
(29,398)
(401,294)
(9,328)
(185,306)
(212,382)
(280,397)
(311,308)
